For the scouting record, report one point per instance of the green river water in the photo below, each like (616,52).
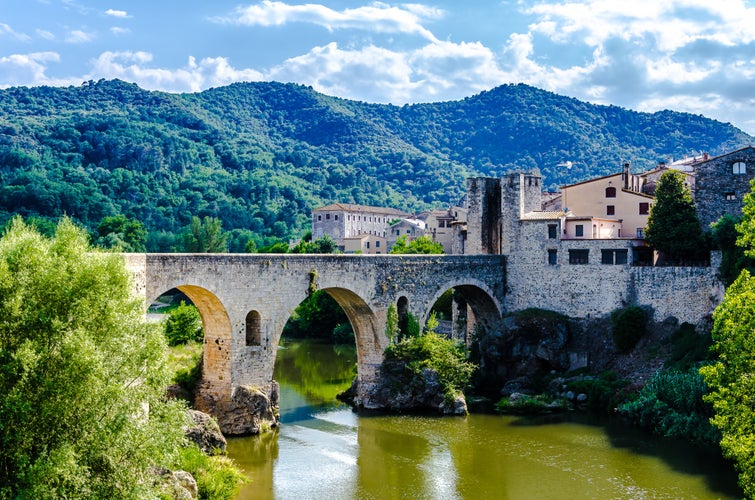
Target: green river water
(325,451)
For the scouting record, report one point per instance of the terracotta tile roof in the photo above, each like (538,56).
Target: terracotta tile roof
(354,208)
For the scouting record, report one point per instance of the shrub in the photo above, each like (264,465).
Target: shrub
(688,348)
(672,405)
(432,351)
(183,324)
(629,326)
(217,477)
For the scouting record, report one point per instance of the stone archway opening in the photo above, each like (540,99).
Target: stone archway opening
(463,309)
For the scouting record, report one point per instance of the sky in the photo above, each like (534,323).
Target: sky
(696,56)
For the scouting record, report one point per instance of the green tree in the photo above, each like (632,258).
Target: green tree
(673,226)
(320,245)
(732,377)
(82,375)
(184,324)
(205,236)
(724,236)
(421,245)
(122,233)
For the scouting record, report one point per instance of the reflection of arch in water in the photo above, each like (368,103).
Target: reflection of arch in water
(486,310)
(218,338)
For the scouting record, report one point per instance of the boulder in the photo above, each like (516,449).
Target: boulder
(206,433)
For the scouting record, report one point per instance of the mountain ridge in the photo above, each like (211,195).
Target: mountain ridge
(261,155)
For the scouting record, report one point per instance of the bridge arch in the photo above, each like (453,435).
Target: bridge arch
(217,357)
(485,308)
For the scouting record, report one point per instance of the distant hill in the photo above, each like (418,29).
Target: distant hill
(261,155)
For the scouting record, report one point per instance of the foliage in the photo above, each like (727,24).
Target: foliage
(118,231)
(185,362)
(688,348)
(184,324)
(82,375)
(205,236)
(673,226)
(435,352)
(603,392)
(420,245)
(731,378)
(530,405)
(408,326)
(217,477)
(746,226)
(316,317)
(724,236)
(260,156)
(629,326)
(671,404)
(320,245)
(391,323)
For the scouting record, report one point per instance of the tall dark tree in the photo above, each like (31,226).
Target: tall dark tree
(118,231)
(673,226)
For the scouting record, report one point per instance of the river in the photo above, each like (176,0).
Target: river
(325,451)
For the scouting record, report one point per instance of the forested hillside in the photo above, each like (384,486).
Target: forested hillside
(260,156)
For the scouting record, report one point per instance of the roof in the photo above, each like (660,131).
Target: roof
(546,215)
(351,207)
(412,222)
(593,180)
(725,154)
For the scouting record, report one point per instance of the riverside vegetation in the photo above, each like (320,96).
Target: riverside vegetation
(83,412)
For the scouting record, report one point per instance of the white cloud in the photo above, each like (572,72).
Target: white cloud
(44,34)
(195,76)
(116,13)
(79,36)
(27,69)
(118,31)
(6,30)
(378,17)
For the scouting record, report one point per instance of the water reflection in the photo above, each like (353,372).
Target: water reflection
(325,451)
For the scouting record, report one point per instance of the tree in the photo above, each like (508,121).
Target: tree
(184,324)
(421,245)
(82,374)
(320,245)
(118,231)
(732,377)
(673,226)
(726,238)
(205,236)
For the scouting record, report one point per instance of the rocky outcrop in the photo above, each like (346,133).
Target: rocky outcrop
(250,410)
(205,432)
(399,392)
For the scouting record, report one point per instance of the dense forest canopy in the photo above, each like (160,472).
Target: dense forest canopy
(260,156)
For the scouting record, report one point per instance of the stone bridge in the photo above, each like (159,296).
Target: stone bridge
(246,299)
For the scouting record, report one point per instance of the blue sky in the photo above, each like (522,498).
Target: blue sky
(687,55)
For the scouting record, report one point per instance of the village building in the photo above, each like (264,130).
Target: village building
(612,206)
(439,224)
(721,183)
(367,244)
(345,220)
(410,228)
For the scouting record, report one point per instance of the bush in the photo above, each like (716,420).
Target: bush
(629,326)
(603,392)
(217,477)
(435,352)
(184,324)
(688,348)
(672,405)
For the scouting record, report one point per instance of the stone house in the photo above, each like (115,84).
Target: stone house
(346,220)
(411,228)
(721,183)
(439,224)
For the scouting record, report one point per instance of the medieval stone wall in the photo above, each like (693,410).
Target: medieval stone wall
(718,190)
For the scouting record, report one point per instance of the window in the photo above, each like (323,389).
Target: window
(253,329)
(644,208)
(336,217)
(610,192)
(441,223)
(579,230)
(579,256)
(552,257)
(377,244)
(610,257)
(730,197)
(640,232)
(610,210)
(319,217)
(739,167)
(368,244)
(552,230)
(327,216)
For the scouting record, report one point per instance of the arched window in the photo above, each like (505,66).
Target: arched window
(610,192)
(739,167)
(253,329)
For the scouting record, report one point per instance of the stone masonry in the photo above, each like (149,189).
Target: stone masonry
(246,299)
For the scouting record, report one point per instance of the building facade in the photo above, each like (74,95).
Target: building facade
(721,183)
(345,220)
